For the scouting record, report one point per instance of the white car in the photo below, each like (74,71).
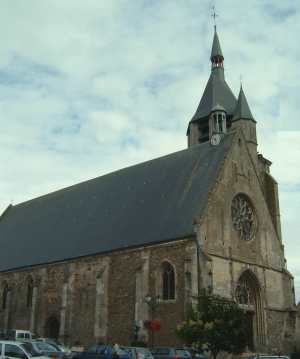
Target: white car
(18,350)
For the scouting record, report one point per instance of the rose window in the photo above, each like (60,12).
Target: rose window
(243,217)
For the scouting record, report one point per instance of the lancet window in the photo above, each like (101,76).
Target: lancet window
(168,281)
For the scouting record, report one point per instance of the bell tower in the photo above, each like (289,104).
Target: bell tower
(216,108)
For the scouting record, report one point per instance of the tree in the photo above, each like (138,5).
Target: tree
(216,324)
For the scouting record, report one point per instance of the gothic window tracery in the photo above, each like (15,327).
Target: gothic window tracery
(243,294)
(243,217)
(168,281)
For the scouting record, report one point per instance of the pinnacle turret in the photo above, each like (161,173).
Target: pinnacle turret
(242,110)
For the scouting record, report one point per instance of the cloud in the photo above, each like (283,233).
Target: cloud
(87,89)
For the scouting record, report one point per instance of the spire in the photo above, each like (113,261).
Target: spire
(217,90)
(242,110)
(216,56)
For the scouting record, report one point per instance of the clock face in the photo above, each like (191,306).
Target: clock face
(243,217)
(215,139)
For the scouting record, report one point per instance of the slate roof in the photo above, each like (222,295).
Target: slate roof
(216,92)
(216,47)
(242,110)
(149,203)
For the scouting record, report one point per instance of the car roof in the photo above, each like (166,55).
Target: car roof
(11,342)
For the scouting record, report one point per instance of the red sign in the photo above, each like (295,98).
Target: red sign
(152,325)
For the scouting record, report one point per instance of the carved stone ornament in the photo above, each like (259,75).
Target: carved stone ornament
(243,217)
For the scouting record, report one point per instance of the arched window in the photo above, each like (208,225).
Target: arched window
(168,281)
(5,296)
(247,289)
(29,292)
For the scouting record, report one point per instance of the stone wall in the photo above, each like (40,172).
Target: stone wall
(101,297)
(262,256)
(298,325)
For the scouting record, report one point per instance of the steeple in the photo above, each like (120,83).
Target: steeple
(242,110)
(216,56)
(216,93)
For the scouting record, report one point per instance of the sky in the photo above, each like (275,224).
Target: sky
(91,86)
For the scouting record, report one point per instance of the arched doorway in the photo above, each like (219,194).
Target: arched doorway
(248,296)
(52,328)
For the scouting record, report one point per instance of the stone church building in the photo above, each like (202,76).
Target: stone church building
(98,259)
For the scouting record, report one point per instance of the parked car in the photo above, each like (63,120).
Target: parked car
(100,351)
(48,349)
(17,334)
(138,352)
(170,353)
(195,354)
(13,349)
(58,345)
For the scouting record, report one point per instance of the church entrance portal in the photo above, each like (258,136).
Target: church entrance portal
(248,295)
(52,328)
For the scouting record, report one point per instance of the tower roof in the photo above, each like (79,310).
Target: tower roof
(216,92)
(242,110)
(216,47)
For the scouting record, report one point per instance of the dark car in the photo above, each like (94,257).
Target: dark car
(195,354)
(170,353)
(99,351)
(138,352)
(48,349)
(54,342)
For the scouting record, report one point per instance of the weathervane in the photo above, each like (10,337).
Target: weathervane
(214,15)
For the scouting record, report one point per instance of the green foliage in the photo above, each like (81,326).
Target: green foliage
(217,324)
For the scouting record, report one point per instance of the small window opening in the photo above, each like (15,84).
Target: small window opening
(29,292)
(168,277)
(5,296)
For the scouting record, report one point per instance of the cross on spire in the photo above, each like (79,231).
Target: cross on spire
(214,15)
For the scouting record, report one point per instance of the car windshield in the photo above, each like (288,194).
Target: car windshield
(42,346)
(55,346)
(28,347)
(119,351)
(143,351)
(182,353)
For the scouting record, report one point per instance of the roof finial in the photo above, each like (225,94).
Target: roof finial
(241,80)
(214,15)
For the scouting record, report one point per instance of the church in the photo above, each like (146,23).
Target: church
(99,259)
